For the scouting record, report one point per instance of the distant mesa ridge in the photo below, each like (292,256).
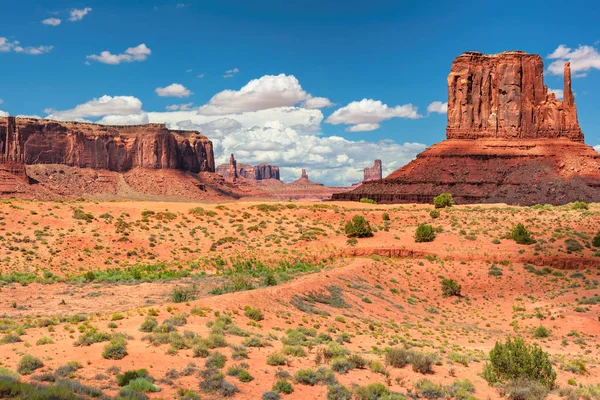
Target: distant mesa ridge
(28,141)
(509,140)
(259,172)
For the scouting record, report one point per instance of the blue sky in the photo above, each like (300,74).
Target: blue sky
(396,53)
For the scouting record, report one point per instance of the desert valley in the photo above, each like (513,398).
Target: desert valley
(196,254)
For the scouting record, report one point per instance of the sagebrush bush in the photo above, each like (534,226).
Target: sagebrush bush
(338,391)
(283,386)
(128,376)
(434,214)
(424,233)
(253,313)
(28,364)
(116,349)
(275,359)
(443,200)
(148,325)
(367,201)
(398,358)
(524,389)
(422,363)
(450,288)
(358,227)
(515,359)
(521,235)
(596,240)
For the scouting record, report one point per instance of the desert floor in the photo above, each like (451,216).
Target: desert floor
(280,283)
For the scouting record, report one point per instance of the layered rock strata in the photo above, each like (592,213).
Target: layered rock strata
(509,140)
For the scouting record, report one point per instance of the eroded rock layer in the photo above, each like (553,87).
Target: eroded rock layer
(28,141)
(508,141)
(254,173)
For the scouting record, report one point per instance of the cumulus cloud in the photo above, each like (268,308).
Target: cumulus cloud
(437,107)
(8,46)
(557,92)
(230,73)
(597,148)
(4,114)
(138,53)
(301,119)
(582,59)
(332,160)
(367,113)
(269,91)
(113,110)
(180,107)
(77,15)
(316,102)
(51,21)
(1,101)
(173,90)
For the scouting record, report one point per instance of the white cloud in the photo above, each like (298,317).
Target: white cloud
(582,59)
(597,148)
(437,107)
(188,70)
(301,119)
(180,107)
(363,127)
(332,160)
(4,114)
(132,119)
(201,75)
(127,108)
(52,21)
(7,46)
(77,15)
(1,101)
(138,53)
(368,112)
(173,90)
(230,73)
(558,92)
(317,102)
(269,91)
(28,116)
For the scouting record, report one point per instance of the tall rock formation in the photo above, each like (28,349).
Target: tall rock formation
(373,173)
(504,96)
(259,172)
(27,141)
(508,141)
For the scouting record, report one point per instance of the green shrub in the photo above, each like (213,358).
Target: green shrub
(515,359)
(338,392)
(28,364)
(596,240)
(306,377)
(128,376)
(254,314)
(371,391)
(245,376)
(434,214)
(116,349)
(580,205)
(149,324)
(541,332)
(521,235)
(139,385)
(341,365)
(283,386)
(275,359)
(215,360)
(377,367)
(524,389)
(271,396)
(181,295)
(572,245)
(398,358)
(385,217)
(443,200)
(424,233)
(450,288)
(430,390)
(422,363)
(368,201)
(358,227)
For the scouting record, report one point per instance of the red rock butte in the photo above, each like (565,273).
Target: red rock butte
(509,140)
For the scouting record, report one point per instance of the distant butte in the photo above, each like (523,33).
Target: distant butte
(259,172)
(509,140)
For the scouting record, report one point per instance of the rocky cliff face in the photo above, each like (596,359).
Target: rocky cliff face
(255,173)
(504,96)
(29,141)
(508,141)
(374,172)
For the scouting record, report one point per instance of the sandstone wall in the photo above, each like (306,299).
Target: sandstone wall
(504,96)
(115,148)
(256,173)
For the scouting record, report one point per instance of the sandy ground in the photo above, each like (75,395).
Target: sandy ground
(387,287)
